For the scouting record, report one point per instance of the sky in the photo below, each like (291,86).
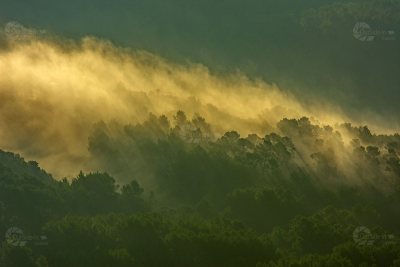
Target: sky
(302,58)
(303,46)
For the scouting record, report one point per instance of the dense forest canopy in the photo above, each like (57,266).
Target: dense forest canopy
(171,187)
(206,133)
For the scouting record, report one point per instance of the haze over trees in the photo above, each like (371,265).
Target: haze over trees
(171,192)
(188,133)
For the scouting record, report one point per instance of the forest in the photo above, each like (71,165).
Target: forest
(171,191)
(187,133)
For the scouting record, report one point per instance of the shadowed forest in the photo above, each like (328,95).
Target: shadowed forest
(186,197)
(199,133)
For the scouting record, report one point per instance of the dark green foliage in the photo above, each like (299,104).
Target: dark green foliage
(186,198)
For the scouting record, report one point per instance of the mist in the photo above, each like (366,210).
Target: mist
(187,133)
(53,91)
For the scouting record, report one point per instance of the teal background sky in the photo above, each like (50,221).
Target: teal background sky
(306,47)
